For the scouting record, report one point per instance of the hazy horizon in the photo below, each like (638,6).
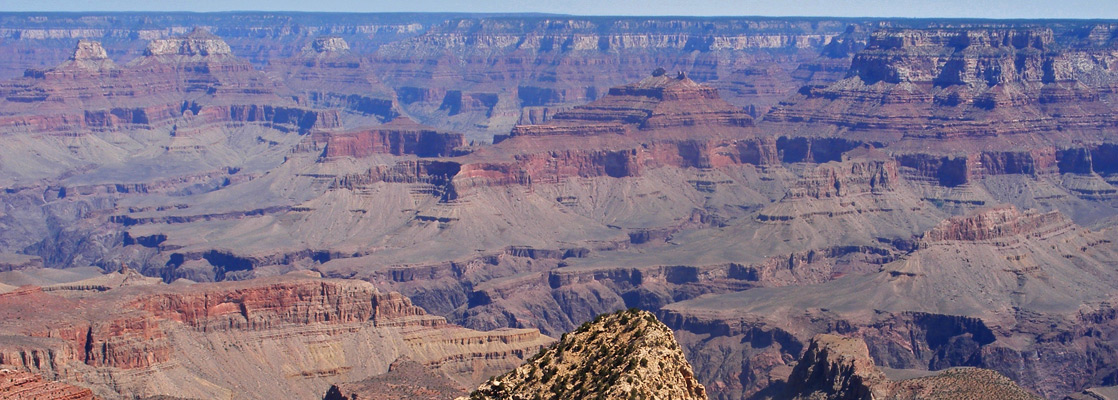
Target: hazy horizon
(992,9)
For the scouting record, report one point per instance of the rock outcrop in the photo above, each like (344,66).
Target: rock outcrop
(186,84)
(112,339)
(960,83)
(627,354)
(661,101)
(834,367)
(1022,270)
(28,386)
(199,43)
(405,379)
(399,137)
(328,44)
(663,120)
(89,55)
(996,223)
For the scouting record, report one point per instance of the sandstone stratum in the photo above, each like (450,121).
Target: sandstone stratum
(277,337)
(274,205)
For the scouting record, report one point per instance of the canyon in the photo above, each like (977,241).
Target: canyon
(379,205)
(291,335)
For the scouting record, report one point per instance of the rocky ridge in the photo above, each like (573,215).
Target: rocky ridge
(197,43)
(834,367)
(627,354)
(405,379)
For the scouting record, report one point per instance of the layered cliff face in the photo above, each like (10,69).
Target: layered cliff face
(993,224)
(657,102)
(834,367)
(865,181)
(299,333)
(961,83)
(25,385)
(964,109)
(664,120)
(184,83)
(512,64)
(1022,269)
(860,205)
(326,74)
(627,354)
(962,56)
(398,137)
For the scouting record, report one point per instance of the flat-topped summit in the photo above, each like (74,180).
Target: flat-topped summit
(945,57)
(88,55)
(327,45)
(199,42)
(659,101)
(961,38)
(89,50)
(661,84)
(400,136)
(974,83)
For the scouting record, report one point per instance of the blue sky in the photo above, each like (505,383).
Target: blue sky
(840,8)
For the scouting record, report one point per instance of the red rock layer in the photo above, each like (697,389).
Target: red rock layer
(28,386)
(399,137)
(663,120)
(262,307)
(657,102)
(129,333)
(557,165)
(844,179)
(963,166)
(133,335)
(995,223)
